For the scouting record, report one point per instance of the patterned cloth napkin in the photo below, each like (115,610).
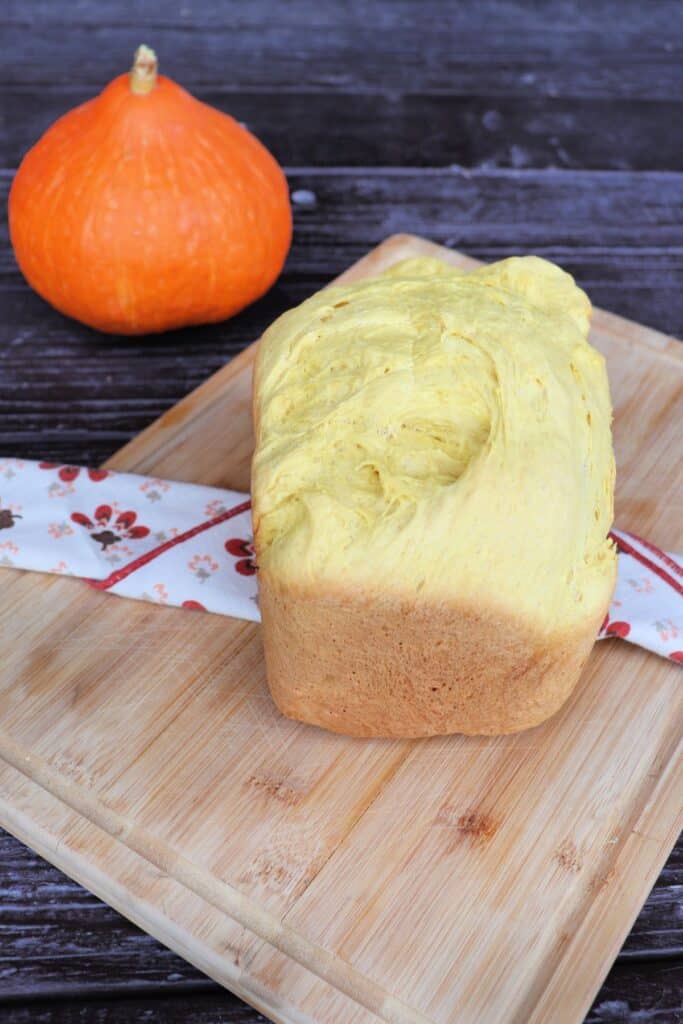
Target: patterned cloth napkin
(191,546)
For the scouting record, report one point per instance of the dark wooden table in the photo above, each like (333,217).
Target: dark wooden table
(494,127)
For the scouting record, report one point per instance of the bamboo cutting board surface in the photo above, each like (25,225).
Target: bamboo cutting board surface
(334,880)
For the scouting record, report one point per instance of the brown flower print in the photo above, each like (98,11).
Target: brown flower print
(7,518)
(122,528)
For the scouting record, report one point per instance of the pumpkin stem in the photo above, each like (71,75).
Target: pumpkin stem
(143,74)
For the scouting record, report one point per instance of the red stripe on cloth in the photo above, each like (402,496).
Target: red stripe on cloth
(623,545)
(667,559)
(149,556)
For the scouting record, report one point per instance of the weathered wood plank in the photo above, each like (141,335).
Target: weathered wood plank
(559,48)
(648,994)
(216,1007)
(57,939)
(409,129)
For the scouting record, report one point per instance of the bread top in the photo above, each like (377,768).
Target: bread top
(439,436)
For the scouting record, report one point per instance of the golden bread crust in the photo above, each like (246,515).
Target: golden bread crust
(364,667)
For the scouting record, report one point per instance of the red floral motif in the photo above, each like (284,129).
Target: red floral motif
(621,629)
(677,656)
(244,551)
(122,528)
(194,606)
(69,473)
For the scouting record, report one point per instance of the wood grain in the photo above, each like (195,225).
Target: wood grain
(559,48)
(654,999)
(409,129)
(228,830)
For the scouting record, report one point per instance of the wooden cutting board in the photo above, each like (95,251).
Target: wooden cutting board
(336,880)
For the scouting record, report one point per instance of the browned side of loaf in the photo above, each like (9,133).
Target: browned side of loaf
(383,668)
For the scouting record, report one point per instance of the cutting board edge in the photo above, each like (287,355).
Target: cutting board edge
(319,962)
(636,843)
(81,872)
(634,849)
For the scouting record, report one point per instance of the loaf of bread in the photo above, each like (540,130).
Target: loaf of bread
(432,492)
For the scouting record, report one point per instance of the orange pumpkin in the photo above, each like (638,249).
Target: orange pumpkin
(144,209)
